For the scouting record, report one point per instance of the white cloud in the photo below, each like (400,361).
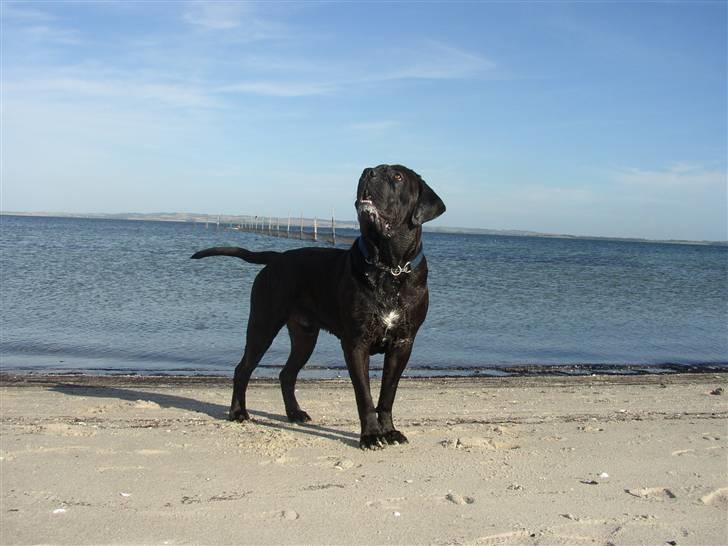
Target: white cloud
(684,200)
(421,61)
(32,27)
(232,20)
(216,15)
(279,88)
(14,11)
(678,175)
(434,61)
(119,87)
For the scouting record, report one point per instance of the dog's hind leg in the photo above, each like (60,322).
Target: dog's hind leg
(243,371)
(266,320)
(303,341)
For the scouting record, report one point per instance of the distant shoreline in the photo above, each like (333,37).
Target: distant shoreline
(324,223)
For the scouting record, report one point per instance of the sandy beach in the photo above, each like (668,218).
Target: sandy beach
(517,460)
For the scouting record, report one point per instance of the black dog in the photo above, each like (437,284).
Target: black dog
(373,297)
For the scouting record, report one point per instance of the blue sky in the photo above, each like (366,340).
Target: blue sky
(585,118)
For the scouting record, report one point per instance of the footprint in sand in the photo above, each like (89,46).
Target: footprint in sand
(652,493)
(343,464)
(229,496)
(606,531)
(717,498)
(289,515)
(63,429)
(508,538)
(389,504)
(459,499)
(478,442)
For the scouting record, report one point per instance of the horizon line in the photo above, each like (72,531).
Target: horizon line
(193,216)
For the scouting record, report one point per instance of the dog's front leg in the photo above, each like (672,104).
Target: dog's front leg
(357,362)
(395,361)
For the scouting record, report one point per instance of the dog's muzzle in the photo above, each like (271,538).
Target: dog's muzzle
(365,206)
(366,210)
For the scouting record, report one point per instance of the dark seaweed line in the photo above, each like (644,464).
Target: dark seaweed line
(422,372)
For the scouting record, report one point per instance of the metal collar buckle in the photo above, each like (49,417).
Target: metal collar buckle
(397,271)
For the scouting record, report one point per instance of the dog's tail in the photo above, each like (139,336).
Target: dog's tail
(237,252)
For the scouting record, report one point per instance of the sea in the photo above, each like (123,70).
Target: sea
(123,297)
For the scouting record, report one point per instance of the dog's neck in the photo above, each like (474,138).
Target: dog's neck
(393,251)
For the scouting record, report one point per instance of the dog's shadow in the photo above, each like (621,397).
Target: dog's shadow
(216,411)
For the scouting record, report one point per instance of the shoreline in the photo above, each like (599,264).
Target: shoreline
(320,373)
(43,379)
(534,460)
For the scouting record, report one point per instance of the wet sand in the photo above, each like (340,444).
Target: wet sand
(517,460)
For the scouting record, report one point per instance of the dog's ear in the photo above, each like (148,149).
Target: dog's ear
(429,206)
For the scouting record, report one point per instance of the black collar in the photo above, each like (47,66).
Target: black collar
(395,271)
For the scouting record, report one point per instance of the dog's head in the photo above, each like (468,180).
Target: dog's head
(392,197)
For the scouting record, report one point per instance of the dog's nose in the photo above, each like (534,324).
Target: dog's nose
(369,173)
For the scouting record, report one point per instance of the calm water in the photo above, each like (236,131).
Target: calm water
(124,296)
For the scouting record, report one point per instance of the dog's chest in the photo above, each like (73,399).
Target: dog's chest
(388,323)
(387,328)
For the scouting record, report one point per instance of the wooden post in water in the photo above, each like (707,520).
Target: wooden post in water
(333,228)
(315,229)
(288,226)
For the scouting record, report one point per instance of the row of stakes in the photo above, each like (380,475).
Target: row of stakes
(260,225)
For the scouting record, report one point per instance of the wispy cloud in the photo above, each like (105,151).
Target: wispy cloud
(241,21)
(51,35)
(217,15)
(678,175)
(30,24)
(435,61)
(374,126)
(203,80)
(120,86)
(17,12)
(420,61)
(279,88)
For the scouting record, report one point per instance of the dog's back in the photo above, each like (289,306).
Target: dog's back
(298,284)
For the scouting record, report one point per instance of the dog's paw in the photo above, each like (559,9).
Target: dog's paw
(298,416)
(372,441)
(238,415)
(395,437)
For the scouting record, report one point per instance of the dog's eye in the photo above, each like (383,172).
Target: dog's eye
(398,177)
